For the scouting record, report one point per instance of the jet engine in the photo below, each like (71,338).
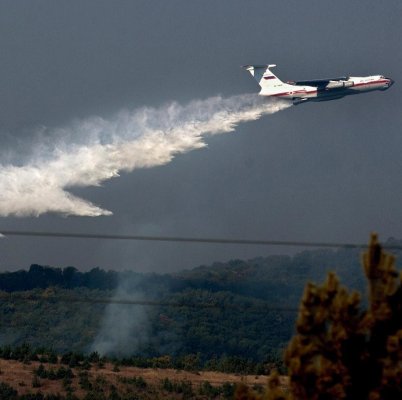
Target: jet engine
(339,84)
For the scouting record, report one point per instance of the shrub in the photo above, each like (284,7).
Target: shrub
(7,392)
(341,351)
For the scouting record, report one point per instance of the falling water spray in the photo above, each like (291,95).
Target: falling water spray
(96,149)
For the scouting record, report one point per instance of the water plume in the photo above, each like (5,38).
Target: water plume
(93,150)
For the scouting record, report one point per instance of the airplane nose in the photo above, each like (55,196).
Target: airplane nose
(390,82)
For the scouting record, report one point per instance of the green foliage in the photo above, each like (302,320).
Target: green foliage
(183,387)
(84,381)
(40,371)
(72,359)
(167,385)
(137,381)
(7,392)
(39,276)
(228,390)
(239,365)
(336,341)
(114,394)
(67,381)
(242,324)
(341,351)
(36,382)
(206,389)
(52,374)
(94,395)
(225,391)
(52,358)
(45,355)
(22,353)
(32,396)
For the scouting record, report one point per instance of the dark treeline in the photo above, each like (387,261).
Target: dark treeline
(243,277)
(39,276)
(250,317)
(255,277)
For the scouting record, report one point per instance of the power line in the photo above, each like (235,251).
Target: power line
(68,299)
(179,239)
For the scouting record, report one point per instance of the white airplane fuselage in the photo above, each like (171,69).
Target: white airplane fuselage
(315,90)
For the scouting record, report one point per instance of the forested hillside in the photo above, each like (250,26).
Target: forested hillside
(235,309)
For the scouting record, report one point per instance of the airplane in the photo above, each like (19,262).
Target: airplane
(316,89)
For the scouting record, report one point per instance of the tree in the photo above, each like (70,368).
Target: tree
(341,351)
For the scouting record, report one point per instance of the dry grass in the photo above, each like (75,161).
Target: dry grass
(20,376)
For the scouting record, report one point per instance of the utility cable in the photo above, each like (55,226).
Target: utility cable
(183,239)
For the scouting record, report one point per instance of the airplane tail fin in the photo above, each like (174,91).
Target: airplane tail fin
(263,74)
(268,81)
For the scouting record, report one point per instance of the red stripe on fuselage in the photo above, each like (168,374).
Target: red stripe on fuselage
(369,83)
(296,92)
(315,91)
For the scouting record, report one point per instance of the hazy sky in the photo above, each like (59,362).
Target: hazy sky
(328,171)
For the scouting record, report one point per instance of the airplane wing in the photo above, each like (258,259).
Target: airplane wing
(320,82)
